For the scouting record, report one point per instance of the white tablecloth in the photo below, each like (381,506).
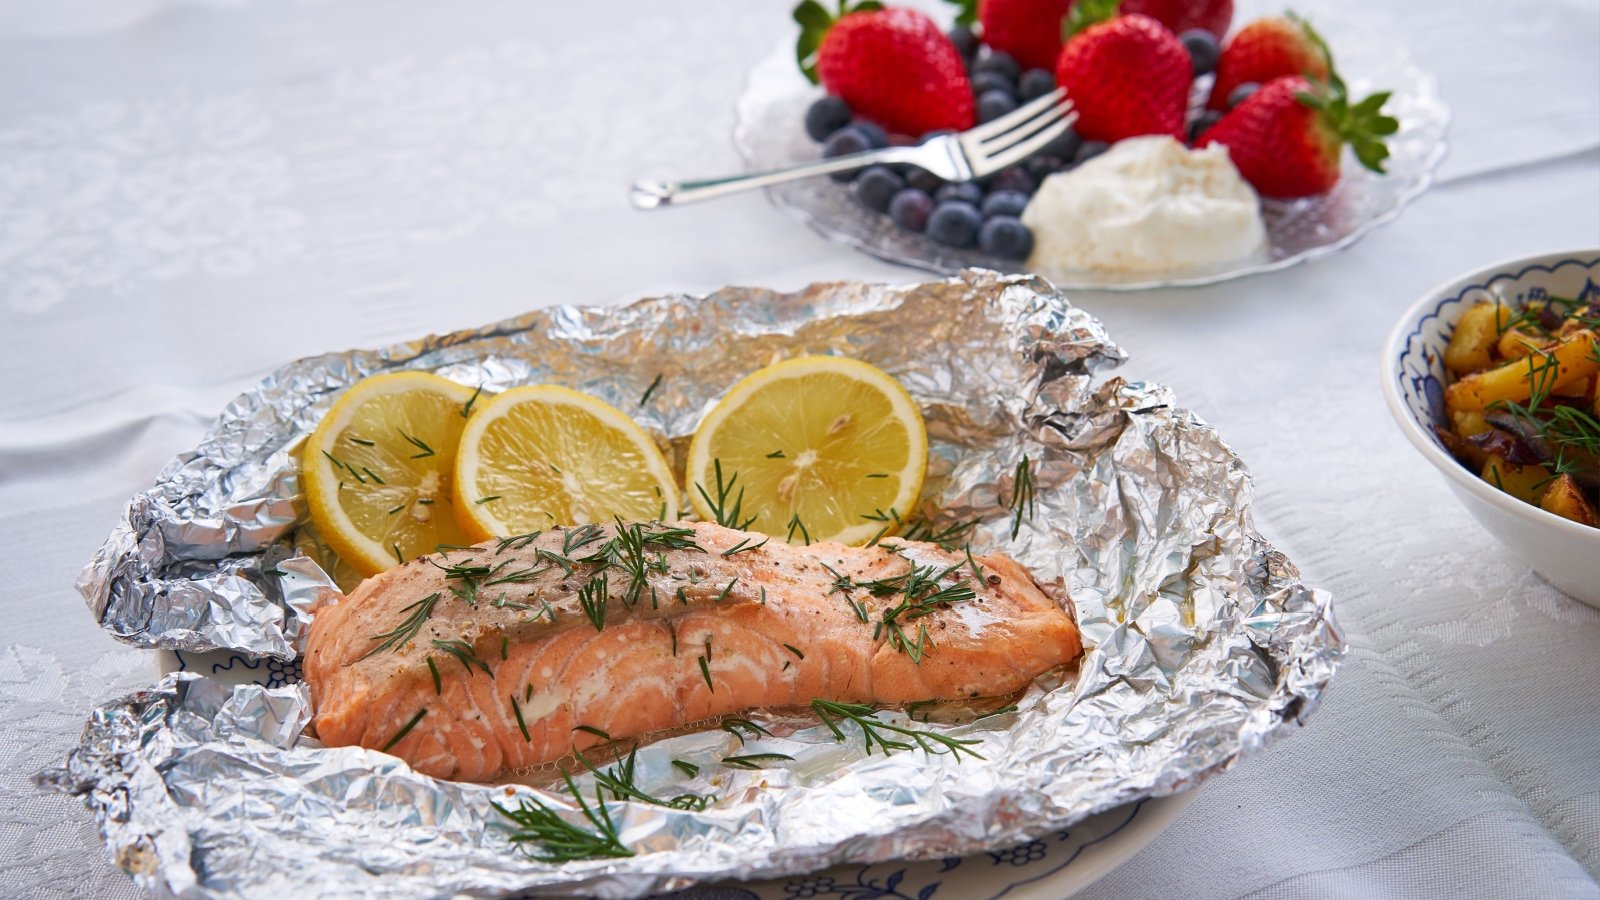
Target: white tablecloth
(192,193)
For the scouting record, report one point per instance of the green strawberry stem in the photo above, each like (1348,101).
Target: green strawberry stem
(1085,13)
(1362,125)
(815,20)
(966,11)
(1313,37)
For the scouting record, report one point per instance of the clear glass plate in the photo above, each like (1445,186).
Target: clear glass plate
(769,133)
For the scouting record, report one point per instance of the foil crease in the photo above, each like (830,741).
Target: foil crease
(1204,646)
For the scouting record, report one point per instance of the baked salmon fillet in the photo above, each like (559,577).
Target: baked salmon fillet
(472,663)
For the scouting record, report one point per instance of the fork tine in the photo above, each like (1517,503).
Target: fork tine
(1055,114)
(1014,118)
(1025,148)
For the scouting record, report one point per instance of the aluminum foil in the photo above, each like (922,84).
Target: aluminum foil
(1203,644)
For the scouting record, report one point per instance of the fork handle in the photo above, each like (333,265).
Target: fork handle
(653,194)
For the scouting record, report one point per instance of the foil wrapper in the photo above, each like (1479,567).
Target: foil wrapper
(1204,646)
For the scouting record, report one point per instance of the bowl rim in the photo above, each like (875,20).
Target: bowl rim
(1394,348)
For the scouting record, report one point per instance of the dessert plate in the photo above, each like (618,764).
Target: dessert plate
(769,133)
(1050,868)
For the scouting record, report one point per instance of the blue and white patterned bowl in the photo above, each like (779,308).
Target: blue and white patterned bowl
(1051,868)
(1565,553)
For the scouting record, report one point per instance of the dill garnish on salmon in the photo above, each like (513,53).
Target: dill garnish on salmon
(473,662)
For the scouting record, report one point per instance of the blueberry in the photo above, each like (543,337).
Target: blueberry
(910,209)
(1238,94)
(875,185)
(1043,165)
(826,116)
(999,62)
(1014,178)
(1005,237)
(1203,50)
(848,139)
(923,180)
(966,42)
(1202,123)
(1004,203)
(1089,150)
(874,133)
(933,134)
(994,104)
(1035,83)
(964,191)
(1064,147)
(984,82)
(955,223)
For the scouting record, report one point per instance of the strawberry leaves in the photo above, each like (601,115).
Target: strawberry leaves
(1362,125)
(1085,13)
(966,11)
(814,21)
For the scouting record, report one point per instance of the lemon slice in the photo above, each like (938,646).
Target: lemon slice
(538,456)
(377,469)
(814,448)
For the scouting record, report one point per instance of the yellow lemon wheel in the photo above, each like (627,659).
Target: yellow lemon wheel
(810,449)
(377,469)
(539,456)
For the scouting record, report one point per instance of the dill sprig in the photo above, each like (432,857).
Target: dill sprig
(1022,495)
(744,546)
(466,408)
(408,628)
(438,686)
(423,449)
(796,523)
(739,727)
(877,732)
(651,389)
(620,780)
(755,760)
(705,666)
(559,840)
(593,597)
(462,651)
(947,536)
(404,730)
(516,542)
(522,724)
(727,507)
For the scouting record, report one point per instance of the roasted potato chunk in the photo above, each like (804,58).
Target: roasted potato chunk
(1564,498)
(1573,359)
(1474,338)
(1526,483)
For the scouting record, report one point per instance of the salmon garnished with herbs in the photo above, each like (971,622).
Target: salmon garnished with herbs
(473,662)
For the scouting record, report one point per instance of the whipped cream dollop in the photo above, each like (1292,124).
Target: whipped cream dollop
(1148,204)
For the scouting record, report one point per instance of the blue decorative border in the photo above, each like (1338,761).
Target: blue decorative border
(1422,388)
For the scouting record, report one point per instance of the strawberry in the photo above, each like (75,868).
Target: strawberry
(1181,15)
(1029,30)
(893,65)
(1267,49)
(1126,76)
(1286,139)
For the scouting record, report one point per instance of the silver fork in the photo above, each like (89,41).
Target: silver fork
(973,153)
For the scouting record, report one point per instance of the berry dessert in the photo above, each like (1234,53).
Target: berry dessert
(1180,128)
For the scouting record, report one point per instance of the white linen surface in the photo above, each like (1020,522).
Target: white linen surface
(192,193)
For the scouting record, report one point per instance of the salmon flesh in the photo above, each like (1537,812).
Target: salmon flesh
(476,662)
